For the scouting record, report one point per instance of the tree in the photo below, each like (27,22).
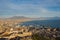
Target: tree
(37,37)
(57,38)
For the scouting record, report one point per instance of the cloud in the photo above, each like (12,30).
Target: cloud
(30,8)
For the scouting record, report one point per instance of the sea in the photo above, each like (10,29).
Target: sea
(46,23)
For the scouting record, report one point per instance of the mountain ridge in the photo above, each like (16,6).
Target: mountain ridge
(40,18)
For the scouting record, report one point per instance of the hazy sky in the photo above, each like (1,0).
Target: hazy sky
(30,8)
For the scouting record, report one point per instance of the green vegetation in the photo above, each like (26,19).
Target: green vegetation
(38,37)
(57,38)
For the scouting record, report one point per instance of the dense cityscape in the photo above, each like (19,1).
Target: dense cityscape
(10,30)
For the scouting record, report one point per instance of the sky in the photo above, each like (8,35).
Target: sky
(30,8)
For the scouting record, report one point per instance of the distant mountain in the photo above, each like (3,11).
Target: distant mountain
(54,18)
(17,17)
(48,18)
(41,18)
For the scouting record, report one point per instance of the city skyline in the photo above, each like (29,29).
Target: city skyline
(30,8)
